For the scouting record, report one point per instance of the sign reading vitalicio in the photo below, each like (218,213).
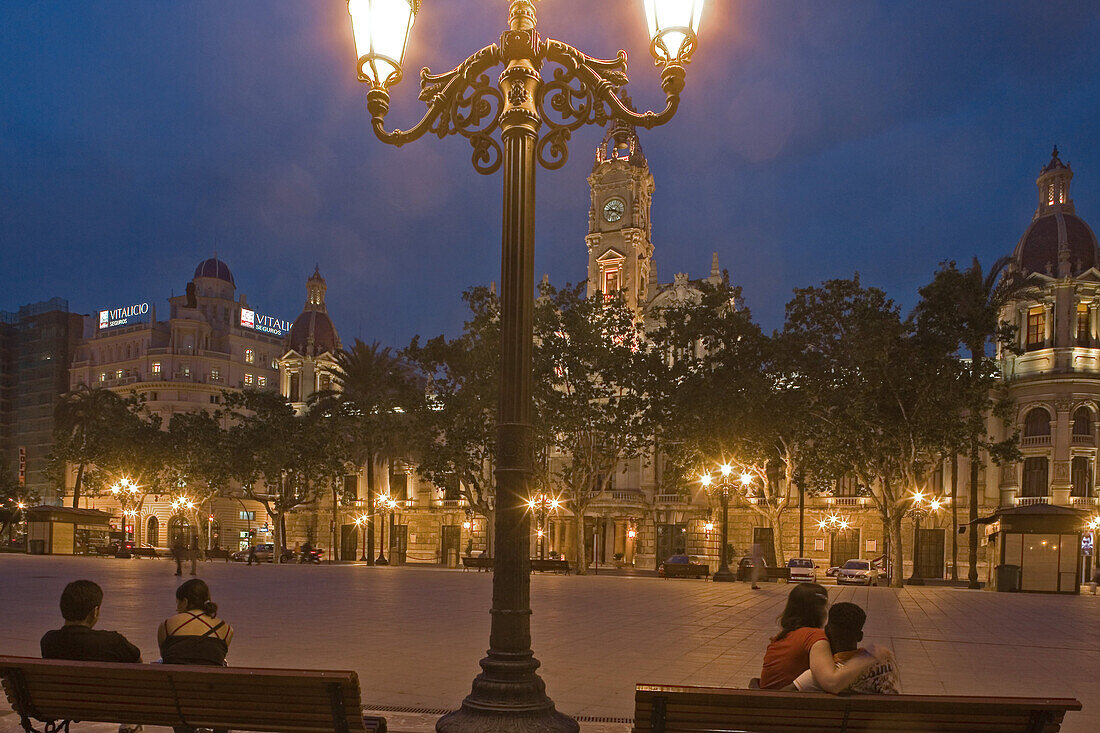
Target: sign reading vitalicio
(264,324)
(123,316)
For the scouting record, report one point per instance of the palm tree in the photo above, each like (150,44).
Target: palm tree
(967,303)
(371,385)
(75,418)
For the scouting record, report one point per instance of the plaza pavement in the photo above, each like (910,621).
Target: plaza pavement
(415,635)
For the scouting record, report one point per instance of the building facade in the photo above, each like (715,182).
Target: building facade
(37,343)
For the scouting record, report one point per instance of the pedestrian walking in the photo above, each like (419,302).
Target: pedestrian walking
(757,565)
(252,555)
(178,551)
(195,555)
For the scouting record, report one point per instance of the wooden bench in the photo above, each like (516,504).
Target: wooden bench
(271,700)
(481,563)
(669,709)
(553,566)
(684,570)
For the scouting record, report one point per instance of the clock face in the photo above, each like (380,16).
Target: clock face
(613,210)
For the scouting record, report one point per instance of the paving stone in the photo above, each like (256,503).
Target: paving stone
(415,635)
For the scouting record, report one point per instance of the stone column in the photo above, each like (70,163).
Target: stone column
(1061,483)
(620,536)
(1048,324)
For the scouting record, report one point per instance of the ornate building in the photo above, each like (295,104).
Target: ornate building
(308,364)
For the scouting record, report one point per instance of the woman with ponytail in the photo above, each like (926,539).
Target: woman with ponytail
(195,635)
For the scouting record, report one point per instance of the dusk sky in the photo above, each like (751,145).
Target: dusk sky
(815,138)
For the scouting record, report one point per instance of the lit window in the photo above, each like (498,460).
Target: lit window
(118,374)
(250,356)
(103,376)
(1050,193)
(156,367)
(261,381)
(186,369)
(216,374)
(248,379)
(248,516)
(1036,327)
(611,281)
(1082,324)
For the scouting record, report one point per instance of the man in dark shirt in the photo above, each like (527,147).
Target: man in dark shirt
(77,639)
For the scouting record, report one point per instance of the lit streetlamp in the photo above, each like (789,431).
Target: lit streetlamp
(385,504)
(542,505)
(722,488)
(508,694)
(920,506)
(126,492)
(360,521)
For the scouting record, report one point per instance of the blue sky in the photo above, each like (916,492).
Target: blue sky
(815,139)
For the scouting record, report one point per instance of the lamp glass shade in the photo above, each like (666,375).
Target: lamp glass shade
(673,25)
(381,29)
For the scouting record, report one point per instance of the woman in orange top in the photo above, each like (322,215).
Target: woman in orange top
(801,644)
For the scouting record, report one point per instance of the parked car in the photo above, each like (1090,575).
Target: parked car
(685,566)
(802,569)
(858,572)
(264,553)
(832,571)
(744,568)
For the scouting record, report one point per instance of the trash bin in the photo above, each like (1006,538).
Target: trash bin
(36,547)
(1008,578)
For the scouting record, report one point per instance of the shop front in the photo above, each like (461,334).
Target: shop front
(53,530)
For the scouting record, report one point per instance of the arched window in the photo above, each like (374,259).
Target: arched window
(1035,476)
(1082,421)
(180,528)
(1081,473)
(152,533)
(1037,422)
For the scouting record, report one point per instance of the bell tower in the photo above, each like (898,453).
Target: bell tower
(620,251)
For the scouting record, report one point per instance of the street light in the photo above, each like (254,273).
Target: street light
(920,505)
(542,505)
(359,522)
(126,493)
(722,488)
(384,503)
(508,694)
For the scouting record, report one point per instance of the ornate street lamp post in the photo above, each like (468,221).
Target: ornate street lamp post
(722,489)
(360,522)
(385,506)
(920,506)
(543,505)
(126,493)
(509,694)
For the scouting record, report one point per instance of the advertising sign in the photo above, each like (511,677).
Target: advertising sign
(123,316)
(22,466)
(264,324)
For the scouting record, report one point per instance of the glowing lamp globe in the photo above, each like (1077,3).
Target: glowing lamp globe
(673,27)
(381,29)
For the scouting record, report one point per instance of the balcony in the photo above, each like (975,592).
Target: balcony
(672,499)
(1083,501)
(851,502)
(621,499)
(1032,500)
(1086,440)
(1033,441)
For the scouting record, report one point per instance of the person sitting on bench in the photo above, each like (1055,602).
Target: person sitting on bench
(844,631)
(79,641)
(801,644)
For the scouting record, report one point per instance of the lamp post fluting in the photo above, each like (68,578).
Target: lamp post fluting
(535,118)
(920,506)
(722,487)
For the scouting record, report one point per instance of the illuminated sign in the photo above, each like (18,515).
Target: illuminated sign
(123,316)
(264,324)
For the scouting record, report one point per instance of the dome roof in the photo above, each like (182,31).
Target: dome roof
(1053,234)
(313,334)
(214,267)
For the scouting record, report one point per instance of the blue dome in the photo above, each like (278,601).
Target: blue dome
(214,267)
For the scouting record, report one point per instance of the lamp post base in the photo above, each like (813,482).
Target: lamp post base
(915,581)
(381,560)
(724,576)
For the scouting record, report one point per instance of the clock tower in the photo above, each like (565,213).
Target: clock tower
(620,252)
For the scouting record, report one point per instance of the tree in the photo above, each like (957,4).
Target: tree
(198,458)
(884,397)
(455,427)
(372,389)
(283,460)
(963,307)
(590,396)
(14,500)
(86,421)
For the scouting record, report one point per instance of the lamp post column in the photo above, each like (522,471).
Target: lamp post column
(914,577)
(724,574)
(509,694)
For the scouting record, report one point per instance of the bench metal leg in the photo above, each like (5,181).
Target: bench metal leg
(1037,721)
(339,713)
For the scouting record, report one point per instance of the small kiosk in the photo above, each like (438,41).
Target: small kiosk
(58,530)
(1035,548)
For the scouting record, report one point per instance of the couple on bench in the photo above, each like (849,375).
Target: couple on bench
(817,649)
(194,635)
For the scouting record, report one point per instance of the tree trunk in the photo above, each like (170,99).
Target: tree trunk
(777,539)
(370,509)
(334,553)
(972,530)
(580,558)
(76,485)
(277,549)
(897,558)
(954,516)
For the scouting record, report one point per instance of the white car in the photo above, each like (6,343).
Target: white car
(802,569)
(857,572)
